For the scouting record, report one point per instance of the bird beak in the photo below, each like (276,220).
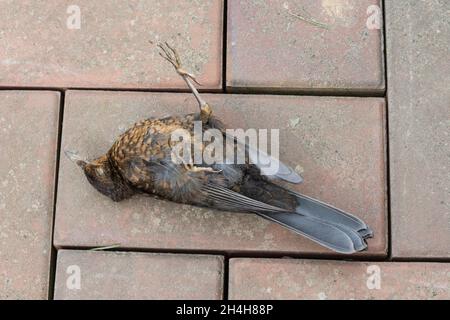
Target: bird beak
(74,157)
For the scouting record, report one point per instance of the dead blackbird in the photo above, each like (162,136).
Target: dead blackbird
(140,161)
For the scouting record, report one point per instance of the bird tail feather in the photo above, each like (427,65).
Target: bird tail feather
(336,238)
(314,208)
(318,221)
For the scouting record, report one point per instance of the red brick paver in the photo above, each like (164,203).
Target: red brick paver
(28,136)
(110,49)
(123,275)
(419,123)
(270,49)
(337,142)
(315,279)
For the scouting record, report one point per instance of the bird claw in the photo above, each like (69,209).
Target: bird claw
(192,168)
(171,55)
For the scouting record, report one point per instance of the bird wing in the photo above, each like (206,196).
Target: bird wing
(221,197)
(260,158)
(174,182)
(200,187)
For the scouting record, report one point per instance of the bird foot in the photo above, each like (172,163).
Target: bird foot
(192,168)
(171,55)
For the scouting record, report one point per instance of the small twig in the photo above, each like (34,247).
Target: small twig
(309,20)
(116,245)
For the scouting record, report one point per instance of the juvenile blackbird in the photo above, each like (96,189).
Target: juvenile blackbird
(141,161)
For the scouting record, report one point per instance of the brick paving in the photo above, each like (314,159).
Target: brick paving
(342,169)
(42,46)
(28,139)
(124,275)
(320,279)
(338,143)
(270,49)
(419,122)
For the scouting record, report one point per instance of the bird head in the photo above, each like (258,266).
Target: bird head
(101,175)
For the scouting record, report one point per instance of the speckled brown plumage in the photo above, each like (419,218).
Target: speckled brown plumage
(140,161)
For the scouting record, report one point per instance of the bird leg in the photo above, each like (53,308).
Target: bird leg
(193,168)
(171,55)
(189,165)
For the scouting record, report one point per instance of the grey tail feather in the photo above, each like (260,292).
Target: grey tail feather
(312,219)
(337,238)
(314,208)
